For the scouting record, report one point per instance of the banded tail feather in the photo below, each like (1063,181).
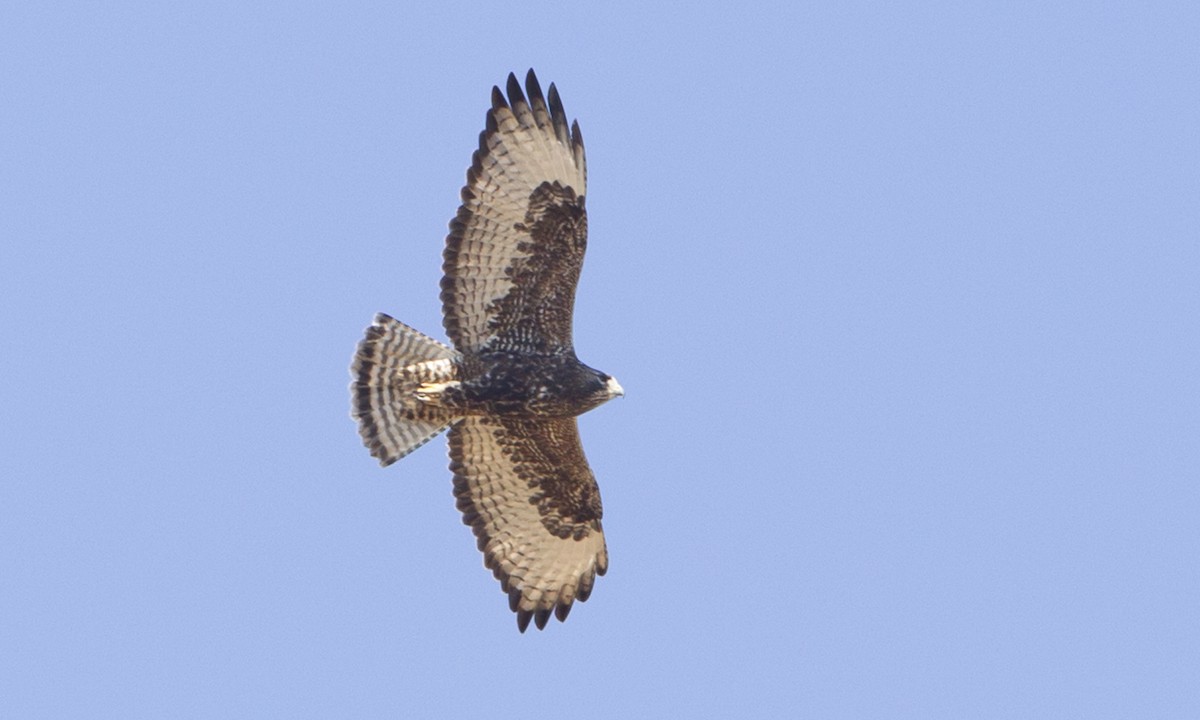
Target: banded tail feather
(392,363)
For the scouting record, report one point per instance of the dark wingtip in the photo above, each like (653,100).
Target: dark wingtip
(523,618)
(558,116)
(576,135)
(515,96)
(556,106)
(584,591)
(540,617)
(498,100)
(561,611)
(532,88)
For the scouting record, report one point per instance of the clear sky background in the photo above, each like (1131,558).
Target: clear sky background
(903,295)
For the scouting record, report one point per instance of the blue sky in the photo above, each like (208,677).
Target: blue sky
(904,300)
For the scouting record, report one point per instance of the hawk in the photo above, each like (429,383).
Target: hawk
(510,387)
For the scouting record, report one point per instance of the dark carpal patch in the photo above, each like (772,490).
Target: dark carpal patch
(555,470)
(535,316)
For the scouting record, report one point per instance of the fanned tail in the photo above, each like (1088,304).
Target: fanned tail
(391,362)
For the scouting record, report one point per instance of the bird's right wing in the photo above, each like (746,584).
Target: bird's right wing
(515,249)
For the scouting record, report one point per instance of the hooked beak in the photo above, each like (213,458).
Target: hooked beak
(614,388)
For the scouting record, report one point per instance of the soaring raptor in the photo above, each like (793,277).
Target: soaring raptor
(510,387)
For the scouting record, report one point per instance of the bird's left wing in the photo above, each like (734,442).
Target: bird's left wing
(525,488)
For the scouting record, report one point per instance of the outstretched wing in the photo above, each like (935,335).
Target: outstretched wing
(525,488)
(515,249)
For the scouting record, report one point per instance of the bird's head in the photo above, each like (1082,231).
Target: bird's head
(600,387)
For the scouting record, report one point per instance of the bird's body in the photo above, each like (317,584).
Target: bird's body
(511,385)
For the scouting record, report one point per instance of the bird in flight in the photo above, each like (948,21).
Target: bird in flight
(509,386)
